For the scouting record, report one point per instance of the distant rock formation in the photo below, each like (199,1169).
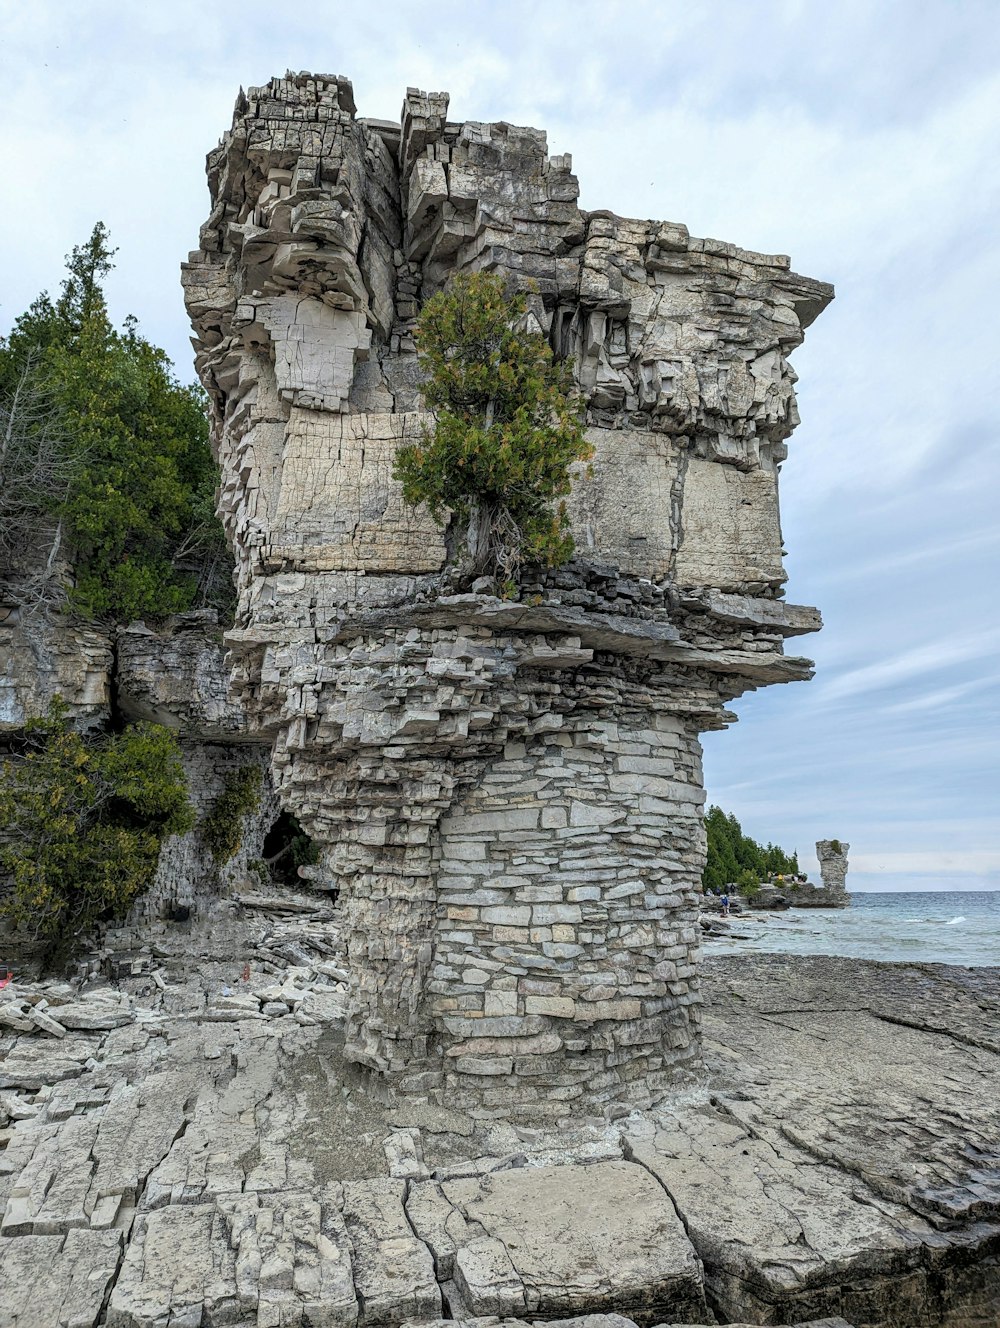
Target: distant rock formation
(509,793)
(832,855)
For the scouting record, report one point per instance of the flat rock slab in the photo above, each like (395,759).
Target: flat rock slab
(393,1269)
(782,1234)
(597,1321)
(56,1281)
(849,1160)
(552,1241)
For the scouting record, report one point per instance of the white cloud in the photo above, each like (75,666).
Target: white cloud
(912,864)
(929,657)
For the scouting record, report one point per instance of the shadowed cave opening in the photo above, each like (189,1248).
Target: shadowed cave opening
(286,848)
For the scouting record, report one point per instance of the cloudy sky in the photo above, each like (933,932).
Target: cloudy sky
(861,138)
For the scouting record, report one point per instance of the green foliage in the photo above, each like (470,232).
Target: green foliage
(82,821)
(138,511)
(748,882)
(736,858)
(836,846)
(222,827)
(302,851)
(506,432)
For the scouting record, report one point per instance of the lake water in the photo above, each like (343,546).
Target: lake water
(939,927)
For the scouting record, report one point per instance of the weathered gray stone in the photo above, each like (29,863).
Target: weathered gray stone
(832,855)
(56,1281)
(841,1161)
(393,1269)
(562,1240)
(42,660)
(470,764)
(179,1268)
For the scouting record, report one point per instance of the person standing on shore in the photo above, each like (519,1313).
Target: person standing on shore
(725,905)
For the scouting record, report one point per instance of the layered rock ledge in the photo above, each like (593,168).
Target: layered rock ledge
(184,1143)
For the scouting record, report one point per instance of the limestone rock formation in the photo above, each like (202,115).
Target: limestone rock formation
(508,793)
(40,660)
(175,676)
(832,855)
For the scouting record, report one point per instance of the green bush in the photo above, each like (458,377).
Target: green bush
(287,847)
(222,827)
(82,821)
(748,883)
(506,432)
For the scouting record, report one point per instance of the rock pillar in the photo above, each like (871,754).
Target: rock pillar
(832,855)
(509,793)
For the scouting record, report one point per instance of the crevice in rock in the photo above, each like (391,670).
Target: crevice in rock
(102,1316)
(630,1156)
(447,1311)
(953,1035)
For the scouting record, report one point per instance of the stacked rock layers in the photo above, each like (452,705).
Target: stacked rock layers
(509,793)
(832,857)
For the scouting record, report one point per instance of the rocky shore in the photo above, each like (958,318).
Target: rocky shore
(182,1145)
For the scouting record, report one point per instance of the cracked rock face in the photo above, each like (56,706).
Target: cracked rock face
(185,1144)
(508,795)
(40,660)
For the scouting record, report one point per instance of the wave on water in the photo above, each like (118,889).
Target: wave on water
(913,926)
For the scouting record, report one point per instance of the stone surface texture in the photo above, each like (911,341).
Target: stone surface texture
(508,793)
(832,855)
(42,659)
(177,676)
(182,1142)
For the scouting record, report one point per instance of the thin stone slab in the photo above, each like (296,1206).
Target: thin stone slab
(179,1269)
(781,1234)
(598,1321)
(393,1270)
(849,1160)
(559,1240)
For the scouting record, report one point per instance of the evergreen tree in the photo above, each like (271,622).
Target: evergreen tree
(506,431)
(136,506)
(734,858)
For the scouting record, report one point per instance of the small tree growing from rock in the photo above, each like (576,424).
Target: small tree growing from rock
(507,430)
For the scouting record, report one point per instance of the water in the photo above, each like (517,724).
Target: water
(938,927)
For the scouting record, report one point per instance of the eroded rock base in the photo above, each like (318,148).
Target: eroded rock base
(183,1144)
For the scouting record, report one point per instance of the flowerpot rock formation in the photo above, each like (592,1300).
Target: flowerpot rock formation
(508,793)
(832,856)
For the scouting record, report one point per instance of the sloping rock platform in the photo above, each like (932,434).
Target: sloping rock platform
(183,1144)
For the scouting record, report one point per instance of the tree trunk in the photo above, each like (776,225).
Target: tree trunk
(477,539)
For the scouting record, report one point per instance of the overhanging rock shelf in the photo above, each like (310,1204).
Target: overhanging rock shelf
(508,793)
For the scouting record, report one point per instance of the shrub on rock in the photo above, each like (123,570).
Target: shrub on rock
(81,823)
(507,429)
